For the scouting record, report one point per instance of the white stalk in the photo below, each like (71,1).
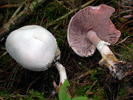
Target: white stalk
(118,69)
(62,72)
(108,58)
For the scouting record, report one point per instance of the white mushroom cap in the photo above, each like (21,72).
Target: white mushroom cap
(32,46)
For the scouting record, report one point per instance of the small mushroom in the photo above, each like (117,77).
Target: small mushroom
(35,48)
(91,28)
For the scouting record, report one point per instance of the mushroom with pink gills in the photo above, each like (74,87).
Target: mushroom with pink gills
(91,28)
(35,48)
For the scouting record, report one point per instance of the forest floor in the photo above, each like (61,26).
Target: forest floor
(85,75)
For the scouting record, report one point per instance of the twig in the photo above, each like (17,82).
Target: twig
(92,86)
(58,19)
(3,54)
(122,40)
(32,83)
(42,18)
(81,76)
(20,18)
(127,98)
(10,6)
(16,12)
(86,74)
(15,96)
(1,98)
(13,18)
(59,2)
(122,12)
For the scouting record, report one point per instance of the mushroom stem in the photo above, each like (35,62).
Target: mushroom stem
(62,72)
(108,58)
(92,36)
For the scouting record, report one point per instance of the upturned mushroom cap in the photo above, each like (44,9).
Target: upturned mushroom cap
(32,46)
(91,18)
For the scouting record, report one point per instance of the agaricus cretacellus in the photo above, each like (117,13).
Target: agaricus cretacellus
(91,28)
(35,48)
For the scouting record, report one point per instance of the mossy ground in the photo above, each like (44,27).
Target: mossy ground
(85,76)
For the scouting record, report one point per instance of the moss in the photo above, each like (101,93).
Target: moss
(127,53)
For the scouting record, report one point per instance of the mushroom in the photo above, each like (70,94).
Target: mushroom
(91,28)
(35,48)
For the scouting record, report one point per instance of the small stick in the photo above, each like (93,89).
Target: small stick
(59,2)
(92,86)
(3,54)
(122,40)
(18,19)
(10,6)
(64,16)
(122,12)
(86,74)
(16,12)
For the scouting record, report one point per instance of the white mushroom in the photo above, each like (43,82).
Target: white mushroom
(35,48)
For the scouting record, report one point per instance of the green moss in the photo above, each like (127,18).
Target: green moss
(61,35)
(127,53)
